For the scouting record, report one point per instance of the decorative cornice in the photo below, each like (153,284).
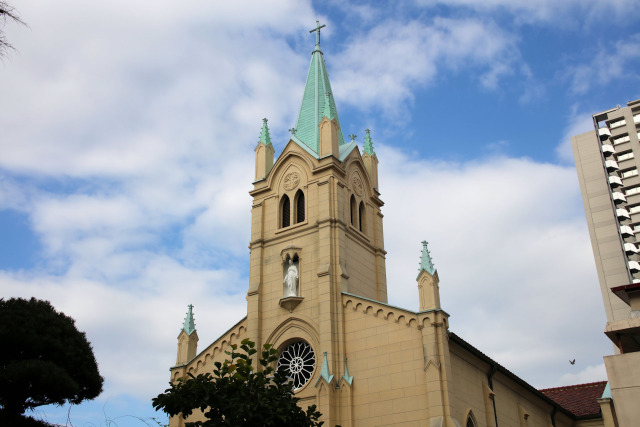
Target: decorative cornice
(399,315)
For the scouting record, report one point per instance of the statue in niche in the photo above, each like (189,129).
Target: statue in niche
(290,281)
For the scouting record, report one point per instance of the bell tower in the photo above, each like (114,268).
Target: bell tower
(316,234)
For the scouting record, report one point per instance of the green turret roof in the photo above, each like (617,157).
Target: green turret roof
(324,372)
(265,137)
(368,144)
(189,324)
(426,263)
(317,101)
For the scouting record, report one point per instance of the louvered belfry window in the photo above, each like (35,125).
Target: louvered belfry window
(353,211)
(299,206)
(286,211)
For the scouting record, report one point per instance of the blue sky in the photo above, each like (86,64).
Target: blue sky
(126,156)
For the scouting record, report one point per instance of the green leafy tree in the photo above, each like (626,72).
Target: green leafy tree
(44,359)
(237,395)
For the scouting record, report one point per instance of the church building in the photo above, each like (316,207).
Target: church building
(318,293)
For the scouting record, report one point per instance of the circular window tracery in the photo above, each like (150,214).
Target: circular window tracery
(298,360)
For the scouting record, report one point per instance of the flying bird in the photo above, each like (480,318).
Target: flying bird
(573,362)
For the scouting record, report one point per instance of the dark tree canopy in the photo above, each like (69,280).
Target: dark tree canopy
(237,395)
(44,359)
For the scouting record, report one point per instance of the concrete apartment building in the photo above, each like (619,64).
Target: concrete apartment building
(607,160)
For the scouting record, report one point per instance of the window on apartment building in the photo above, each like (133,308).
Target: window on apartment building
(631,191)
(621,139)
(634,209)
(636,118)
(629,173)
(625,155)
(617,123)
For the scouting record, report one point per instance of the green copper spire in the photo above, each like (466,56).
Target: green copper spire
(348,378)
(324,372)
(317,101)
(368,144)
(265,137)
(426,263)
(189,324)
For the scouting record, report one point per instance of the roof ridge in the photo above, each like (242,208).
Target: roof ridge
(591,384)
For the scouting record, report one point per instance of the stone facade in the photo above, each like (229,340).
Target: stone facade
(375,364)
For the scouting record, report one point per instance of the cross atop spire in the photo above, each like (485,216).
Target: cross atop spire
(317,101)
(189,324)
(317,31)
(426,263)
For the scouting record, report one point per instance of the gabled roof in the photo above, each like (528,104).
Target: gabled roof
(581,399)
(317,102)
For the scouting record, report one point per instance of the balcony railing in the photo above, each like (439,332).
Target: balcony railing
(604,133)
(615,181)
(617,196)
(626,231)
(608,150)
(622,214)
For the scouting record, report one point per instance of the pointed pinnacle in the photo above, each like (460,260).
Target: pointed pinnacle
(189,325)
(265,137)
(368,144)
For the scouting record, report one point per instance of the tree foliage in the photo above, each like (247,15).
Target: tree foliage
(44,359)
(237,395)
(7,12)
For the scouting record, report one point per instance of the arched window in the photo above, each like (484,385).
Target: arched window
(471,422)
(353,211)
(286,211)
(299,206)
(361,217)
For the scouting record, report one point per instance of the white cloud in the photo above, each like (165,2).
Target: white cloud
(607,63)
(133,324)
(412,54)
(588,374)
(510,243)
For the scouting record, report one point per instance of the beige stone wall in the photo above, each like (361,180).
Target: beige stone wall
(516,405)
(384,348)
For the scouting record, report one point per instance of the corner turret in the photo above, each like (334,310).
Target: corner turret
(428,281)
(187,339)
(264,153)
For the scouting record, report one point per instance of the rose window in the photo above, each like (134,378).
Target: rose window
(298,360)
